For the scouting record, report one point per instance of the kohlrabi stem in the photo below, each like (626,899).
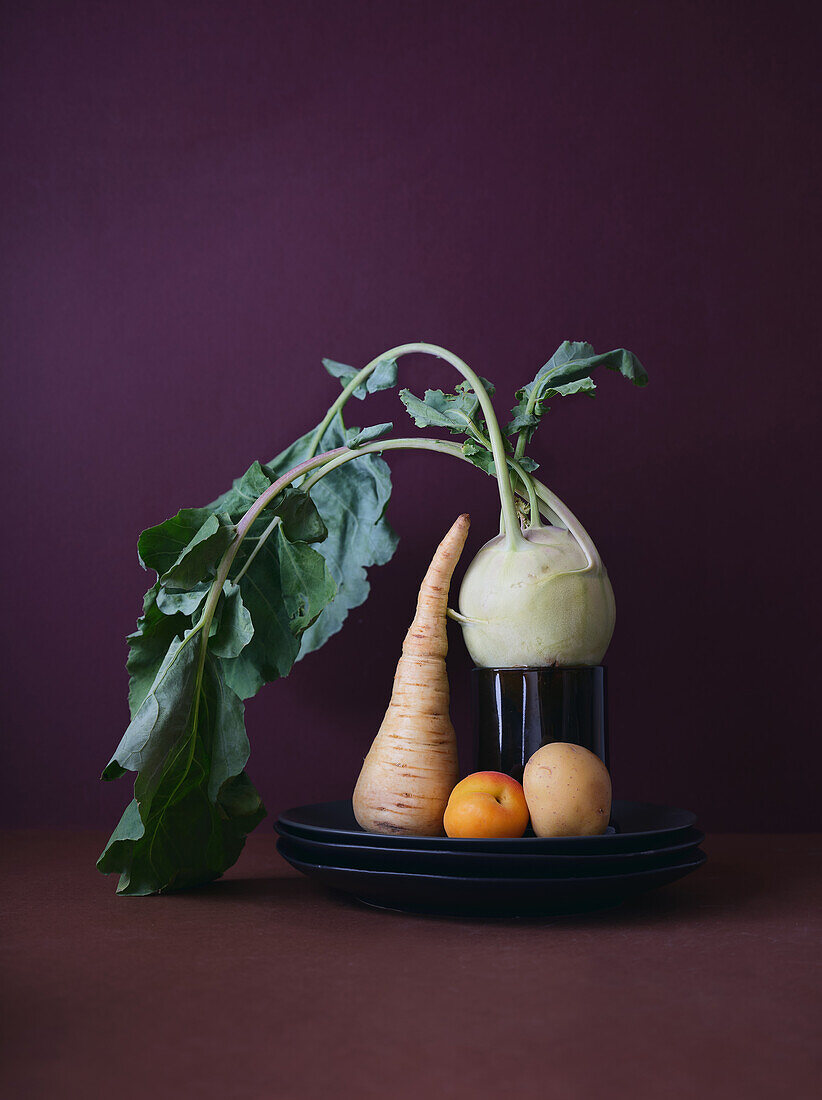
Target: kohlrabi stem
(521,438)
(345,393)
(412,444)
(332,460)
(533,501)
(524,477)
(513,535)
(540,498)
(553,506)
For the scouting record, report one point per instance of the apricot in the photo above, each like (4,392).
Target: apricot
(486,804)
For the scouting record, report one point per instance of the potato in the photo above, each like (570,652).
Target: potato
(568,791)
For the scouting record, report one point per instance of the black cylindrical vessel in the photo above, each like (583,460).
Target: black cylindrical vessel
(516,710)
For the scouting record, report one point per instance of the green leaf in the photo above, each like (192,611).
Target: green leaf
(367,435)
(243,493)
(186,603)
(185,550)
(160,547)
(352,501)
(231,628)
(426,414)
(484,459)
(565,373)
(455,411)
(193,804)
(149,644)
(306,582)
(200,557)
(163,713)
(300,518)
(284,589)
(582,385)
(383,376)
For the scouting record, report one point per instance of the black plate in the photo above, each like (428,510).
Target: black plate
(639,826)
(501,864)
(452,895)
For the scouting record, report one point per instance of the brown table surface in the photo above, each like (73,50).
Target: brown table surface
(265,985)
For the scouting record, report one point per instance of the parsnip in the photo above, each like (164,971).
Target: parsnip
(411,768)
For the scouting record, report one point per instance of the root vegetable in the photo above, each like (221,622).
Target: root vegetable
(411,768)
(544,603)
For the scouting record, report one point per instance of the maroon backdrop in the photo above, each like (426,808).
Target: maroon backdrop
(200,200)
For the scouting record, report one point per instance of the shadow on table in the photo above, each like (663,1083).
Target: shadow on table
(735,879)
(262,890)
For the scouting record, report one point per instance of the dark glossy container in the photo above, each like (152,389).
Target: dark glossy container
(516,710)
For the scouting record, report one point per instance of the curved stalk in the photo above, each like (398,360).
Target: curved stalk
(411,444)
(523,475)
(242,529)
(533,500)
(328,460)
(324,463)
(552,505)
(338,405)
(513,535)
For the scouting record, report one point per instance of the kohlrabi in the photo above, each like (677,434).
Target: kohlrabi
(269,570)
(533,595)
(536,600)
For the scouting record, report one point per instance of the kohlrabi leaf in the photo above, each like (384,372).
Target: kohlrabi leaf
(567,372)
(459,412)
(174,548)
(300,519)
(484,459)
(352,502)
(162,716)
(200,557)
(285,587)
(231,628)
(148,645)
(383,377)
(186,741)
(160,547)
(367,435)
(172,603)
(193,804)
(243,492)
(306,582)
(582,385)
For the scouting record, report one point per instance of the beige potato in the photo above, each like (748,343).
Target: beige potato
(568,791)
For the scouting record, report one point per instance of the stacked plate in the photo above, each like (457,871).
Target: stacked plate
(645,846)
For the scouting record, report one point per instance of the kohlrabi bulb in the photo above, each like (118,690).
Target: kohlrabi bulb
(541,604)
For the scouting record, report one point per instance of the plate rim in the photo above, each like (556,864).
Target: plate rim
(488,844)
(502,882)
(461,852)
